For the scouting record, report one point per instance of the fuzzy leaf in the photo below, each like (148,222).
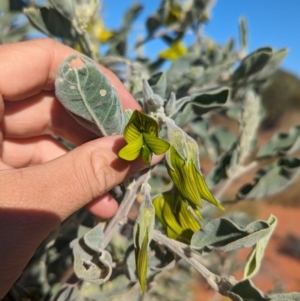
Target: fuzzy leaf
(253,63)
(88,95)
(243,33)
(65,8)
(224,235)
(256,256)
(206,101)
(280,143)
(92,269)
(93,238)
(158,83)
(271,179)
(273,64)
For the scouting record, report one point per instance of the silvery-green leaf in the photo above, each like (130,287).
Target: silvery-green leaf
(158,83)
(93,239)
(68,292)
(256,256)
(222,234)
(243,33)
(253,63)
(152,101)
(219,171)
(89,96)
(88,266)
(271,179)
(35,17)
(228,47)
(82,230)
(65,8)
(225,138)
(273,64)
(280,143)
(170,108)
(211,74)
(204,102)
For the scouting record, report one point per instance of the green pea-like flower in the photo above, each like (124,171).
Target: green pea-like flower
(182,161)
(178,220)
(143,230)
(141,135)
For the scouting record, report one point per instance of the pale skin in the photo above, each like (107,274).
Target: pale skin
(41,183)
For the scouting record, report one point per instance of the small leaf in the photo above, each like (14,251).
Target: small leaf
(255,258)
(89,96)
(158,83)
(132,150)
(253,63)
(243,33)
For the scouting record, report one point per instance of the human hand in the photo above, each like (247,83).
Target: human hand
(41,183)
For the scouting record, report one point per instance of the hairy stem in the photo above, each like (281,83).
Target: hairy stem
(121,216)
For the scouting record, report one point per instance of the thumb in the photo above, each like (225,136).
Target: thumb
(34,200)
(67,183)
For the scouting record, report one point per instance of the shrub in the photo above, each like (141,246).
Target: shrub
(176,228)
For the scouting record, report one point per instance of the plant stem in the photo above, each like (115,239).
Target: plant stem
(217,283)
(121,216)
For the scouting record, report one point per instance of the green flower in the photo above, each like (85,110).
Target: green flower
(141,135)
(143,229)
(178,220)
(184,168)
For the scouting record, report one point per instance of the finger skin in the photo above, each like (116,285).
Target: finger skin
(31,66)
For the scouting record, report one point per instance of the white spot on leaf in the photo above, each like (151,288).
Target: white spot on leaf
(102,92)
(72,87)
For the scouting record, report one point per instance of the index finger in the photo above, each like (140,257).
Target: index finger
(31,66)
